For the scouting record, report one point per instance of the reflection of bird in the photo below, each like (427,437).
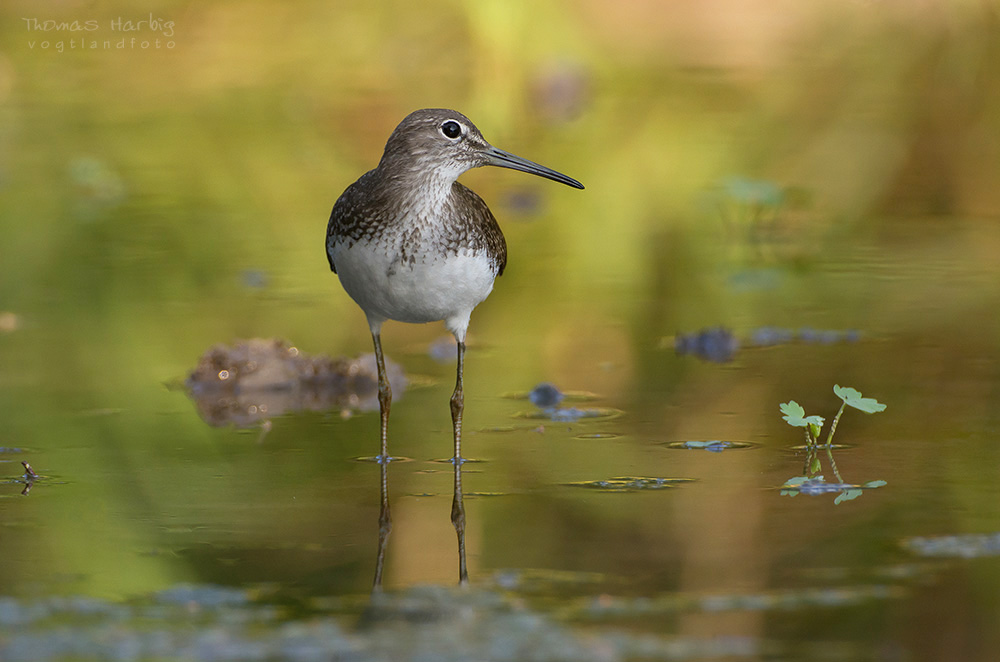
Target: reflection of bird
(412,244)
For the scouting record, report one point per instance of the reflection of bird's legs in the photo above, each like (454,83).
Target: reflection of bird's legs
(384,527)
(458,520)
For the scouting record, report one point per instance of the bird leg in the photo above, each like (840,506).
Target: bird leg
(384,398)
(458,405)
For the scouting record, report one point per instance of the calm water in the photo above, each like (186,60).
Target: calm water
(147,222)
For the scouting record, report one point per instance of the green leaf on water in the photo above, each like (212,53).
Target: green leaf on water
(795,415)
(875,483)
(852,398)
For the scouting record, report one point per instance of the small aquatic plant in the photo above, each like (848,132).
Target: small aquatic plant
(795,415)
(813,482)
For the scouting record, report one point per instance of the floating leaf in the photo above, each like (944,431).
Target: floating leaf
(795,415)
(714,446)
(699,444)
(875,483)
(852,397)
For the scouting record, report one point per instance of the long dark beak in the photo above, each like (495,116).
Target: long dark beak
(498,157)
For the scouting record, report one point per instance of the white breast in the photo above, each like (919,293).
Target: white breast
(429,288)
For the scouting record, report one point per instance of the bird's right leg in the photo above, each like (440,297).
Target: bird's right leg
(384,398)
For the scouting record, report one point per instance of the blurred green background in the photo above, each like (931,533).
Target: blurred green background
(747,163)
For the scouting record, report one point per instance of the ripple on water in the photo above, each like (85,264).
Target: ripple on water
(713,446)
(375,459)
(465,460)
(630,483)
(571,414)
(824,447)
(542,394)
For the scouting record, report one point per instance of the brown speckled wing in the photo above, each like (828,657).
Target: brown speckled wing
(355,215)
(471,224)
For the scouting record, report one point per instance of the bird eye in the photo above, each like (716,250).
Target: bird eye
(451,129)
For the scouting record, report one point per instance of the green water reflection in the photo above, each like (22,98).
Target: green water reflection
(831,168)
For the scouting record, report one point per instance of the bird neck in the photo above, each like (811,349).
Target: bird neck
(422,190)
